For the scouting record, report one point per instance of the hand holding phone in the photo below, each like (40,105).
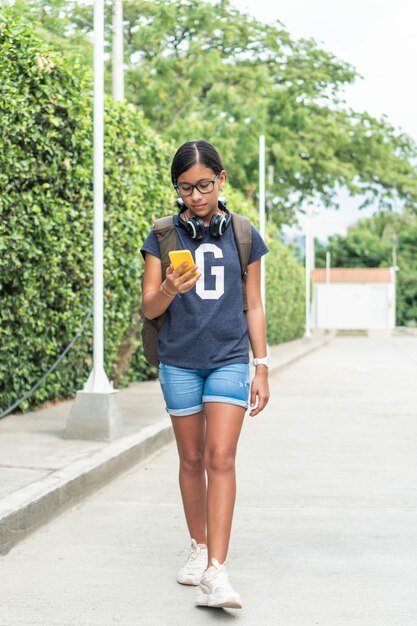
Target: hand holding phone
(178,257)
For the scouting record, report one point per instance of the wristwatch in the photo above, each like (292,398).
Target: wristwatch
(263,361)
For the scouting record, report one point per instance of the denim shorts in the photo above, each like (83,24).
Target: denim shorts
(186,390)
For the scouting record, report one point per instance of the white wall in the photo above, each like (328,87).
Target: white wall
(353,306)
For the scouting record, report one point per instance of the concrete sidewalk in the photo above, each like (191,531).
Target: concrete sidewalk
(325,522)
(42,474)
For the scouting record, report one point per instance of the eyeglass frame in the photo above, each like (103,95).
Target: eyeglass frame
(176,187)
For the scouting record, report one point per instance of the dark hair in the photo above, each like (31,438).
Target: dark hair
(192,152)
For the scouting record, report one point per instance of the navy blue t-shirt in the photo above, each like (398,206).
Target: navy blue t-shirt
(206,327)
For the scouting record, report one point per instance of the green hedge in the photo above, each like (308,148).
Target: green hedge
(46,217)
(285,294)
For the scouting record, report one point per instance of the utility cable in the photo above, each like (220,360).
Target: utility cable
(54,366)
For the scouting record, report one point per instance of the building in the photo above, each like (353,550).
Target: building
(354,298)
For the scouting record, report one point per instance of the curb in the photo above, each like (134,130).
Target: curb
(307,348)
(32,506)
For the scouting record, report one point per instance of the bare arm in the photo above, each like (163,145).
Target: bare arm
(158,295)
(257,335)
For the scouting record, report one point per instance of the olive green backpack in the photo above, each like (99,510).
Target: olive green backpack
(167,237)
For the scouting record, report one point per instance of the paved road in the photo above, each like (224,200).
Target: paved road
(325,528)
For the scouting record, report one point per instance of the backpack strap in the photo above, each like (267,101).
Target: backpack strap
(167,237)
(243,234)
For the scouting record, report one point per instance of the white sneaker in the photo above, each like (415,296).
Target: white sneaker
(192,572)
(216,590)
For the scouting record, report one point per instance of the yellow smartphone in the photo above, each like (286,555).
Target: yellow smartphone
(178,257)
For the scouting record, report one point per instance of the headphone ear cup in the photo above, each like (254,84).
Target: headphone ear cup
(195,227)
(218,223)
(224,223)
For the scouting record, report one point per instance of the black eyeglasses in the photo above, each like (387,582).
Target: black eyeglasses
(203,186)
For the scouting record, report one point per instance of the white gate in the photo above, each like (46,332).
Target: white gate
(350,306)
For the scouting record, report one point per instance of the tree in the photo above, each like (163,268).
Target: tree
(206,70)
(54,20)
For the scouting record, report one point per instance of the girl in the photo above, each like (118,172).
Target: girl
(204,360)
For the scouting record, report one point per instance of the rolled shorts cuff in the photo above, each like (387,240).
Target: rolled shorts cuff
(226,400)
(187,411)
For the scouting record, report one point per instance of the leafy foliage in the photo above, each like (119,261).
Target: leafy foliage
(285,294)
(46,213)
(200,69)
(54,23)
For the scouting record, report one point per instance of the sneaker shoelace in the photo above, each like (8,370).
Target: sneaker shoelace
(217,574)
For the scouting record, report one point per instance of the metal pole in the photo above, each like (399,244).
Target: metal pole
(394,271)
(327,267)
(98,381)
(394,250)
(262,208)
(270,175)
(95,413)
(307,334)
(117,51)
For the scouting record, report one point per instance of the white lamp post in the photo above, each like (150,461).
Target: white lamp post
(95,414)
(307,334)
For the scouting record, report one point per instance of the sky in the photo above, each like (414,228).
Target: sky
(379,38)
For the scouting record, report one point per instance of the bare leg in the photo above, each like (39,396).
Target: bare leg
(224,423)
(189,434)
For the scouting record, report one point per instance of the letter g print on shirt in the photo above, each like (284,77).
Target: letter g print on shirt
(216,271)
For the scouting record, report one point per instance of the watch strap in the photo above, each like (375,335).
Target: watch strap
(261,361)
